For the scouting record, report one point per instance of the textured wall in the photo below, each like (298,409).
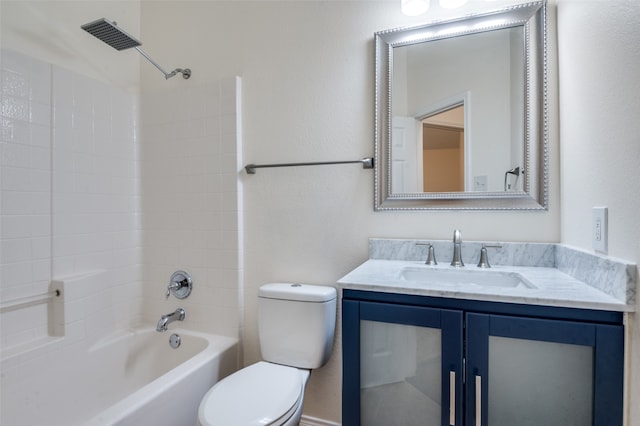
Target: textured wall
(599,50)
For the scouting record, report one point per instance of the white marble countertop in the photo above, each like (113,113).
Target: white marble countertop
(552,287)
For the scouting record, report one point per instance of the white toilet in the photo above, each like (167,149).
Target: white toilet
(296,323)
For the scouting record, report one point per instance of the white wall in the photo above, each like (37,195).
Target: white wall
(481,71)
(599,50)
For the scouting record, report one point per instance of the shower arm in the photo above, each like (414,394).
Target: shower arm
(186,73)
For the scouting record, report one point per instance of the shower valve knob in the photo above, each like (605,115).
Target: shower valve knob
(180,284)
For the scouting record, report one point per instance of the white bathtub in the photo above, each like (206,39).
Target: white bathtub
(132,378)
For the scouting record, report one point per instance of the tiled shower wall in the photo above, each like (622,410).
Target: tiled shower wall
(192,202)
(69,200)
(83,192)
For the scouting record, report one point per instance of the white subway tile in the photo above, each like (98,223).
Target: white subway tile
(15,226)
(14,84)
(40,180)
(15,179)
(16,250)
(16,155)
(40,113)
(41,248)
(40,82)
(14,108)
(40,158)
(62,87)
(40,136)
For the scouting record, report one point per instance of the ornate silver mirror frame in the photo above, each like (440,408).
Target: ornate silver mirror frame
(534,194)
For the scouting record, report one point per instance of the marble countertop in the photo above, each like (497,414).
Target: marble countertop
(552,286)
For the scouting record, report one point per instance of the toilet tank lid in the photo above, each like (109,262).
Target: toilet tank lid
(298,292)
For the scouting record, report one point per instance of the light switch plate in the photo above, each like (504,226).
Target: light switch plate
(599,229)
(480,183)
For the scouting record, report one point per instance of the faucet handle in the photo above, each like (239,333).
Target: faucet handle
(484,259)
(180,284)
(431,256)
(172,286)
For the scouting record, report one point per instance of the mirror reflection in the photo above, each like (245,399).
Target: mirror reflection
(438,86)
(461,113)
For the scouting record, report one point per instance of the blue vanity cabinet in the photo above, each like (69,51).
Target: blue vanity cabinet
(415,360)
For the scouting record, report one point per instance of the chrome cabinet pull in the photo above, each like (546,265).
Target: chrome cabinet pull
(452,398)
(478,401)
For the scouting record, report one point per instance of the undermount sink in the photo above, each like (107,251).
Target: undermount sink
(474,277)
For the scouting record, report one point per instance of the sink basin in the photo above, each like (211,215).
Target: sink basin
(475,277)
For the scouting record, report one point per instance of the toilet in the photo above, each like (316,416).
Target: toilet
(296,324)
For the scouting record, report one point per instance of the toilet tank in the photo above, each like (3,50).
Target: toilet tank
(296,323)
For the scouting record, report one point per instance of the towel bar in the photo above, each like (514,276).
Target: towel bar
(23,302)
(367,163)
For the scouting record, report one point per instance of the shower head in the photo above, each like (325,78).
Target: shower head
(110,33)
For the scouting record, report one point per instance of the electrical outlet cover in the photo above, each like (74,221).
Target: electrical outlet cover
(599,231)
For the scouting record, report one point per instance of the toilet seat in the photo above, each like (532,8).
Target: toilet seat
(261,394)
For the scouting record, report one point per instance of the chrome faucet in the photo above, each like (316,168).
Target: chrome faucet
(457,249)
(165,320)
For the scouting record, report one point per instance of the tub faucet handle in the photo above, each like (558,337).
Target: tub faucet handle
(180,284)
(172,286)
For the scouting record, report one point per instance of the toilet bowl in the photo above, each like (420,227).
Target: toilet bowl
(296,325)
(270,394)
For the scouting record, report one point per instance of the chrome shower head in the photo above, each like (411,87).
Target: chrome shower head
(110,33)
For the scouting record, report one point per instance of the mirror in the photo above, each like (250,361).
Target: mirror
(461,113)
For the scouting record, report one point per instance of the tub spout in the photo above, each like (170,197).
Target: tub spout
(165,320)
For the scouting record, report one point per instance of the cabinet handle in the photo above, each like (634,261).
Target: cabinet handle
(452,398)
(478,401)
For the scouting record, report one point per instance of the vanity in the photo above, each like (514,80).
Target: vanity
(538,338)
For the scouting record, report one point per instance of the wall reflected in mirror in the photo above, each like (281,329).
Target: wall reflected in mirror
(458,113)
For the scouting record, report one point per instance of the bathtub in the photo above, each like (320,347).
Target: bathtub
(130,378)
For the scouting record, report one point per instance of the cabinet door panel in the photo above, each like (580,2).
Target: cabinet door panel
(400,374)
(409,371)
(538,372)
(539,383)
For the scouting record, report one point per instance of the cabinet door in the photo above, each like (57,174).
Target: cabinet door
(402,365)
(526,371)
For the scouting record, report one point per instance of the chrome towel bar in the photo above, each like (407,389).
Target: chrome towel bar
(23,302)
(367,163)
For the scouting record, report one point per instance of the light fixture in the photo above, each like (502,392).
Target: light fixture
(414,7)
(452,4)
